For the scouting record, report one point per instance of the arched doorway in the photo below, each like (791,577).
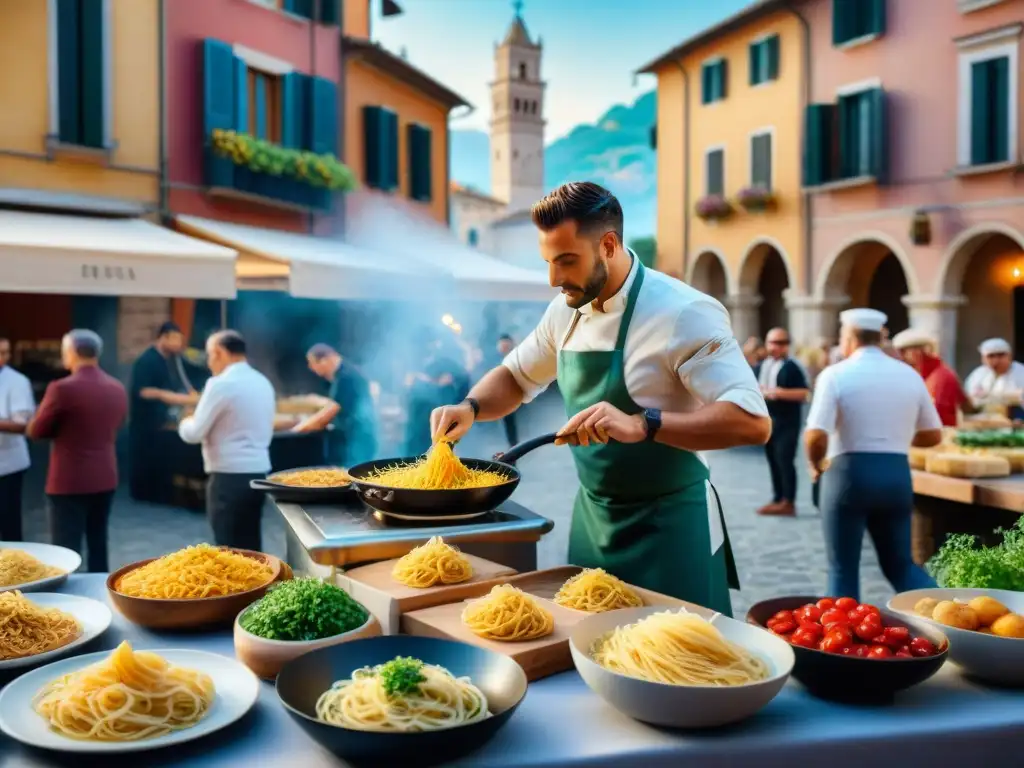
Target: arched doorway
(764,273)
(870,274)
(986,267)
(708,275)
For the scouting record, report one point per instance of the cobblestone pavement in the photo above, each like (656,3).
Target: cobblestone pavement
(775,556)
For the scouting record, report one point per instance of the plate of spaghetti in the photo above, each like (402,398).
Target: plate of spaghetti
(126,700)
(45,625)
(679,668)
(307,484)
(389,700)
(196,586)
(30,567)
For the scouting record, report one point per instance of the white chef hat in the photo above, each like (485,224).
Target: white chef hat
(913,337)
(863,319)
(995,347)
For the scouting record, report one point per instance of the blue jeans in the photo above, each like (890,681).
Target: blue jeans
(870,491)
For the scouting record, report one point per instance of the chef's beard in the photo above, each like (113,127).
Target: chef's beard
(586,294)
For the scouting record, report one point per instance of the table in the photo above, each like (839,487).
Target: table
(561,723)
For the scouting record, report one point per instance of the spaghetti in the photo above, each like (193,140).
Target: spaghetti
(432,563)
(27,629)
(508,614)
(17,567)
(677,649)
(130,695)
(195,572)
(335,477)
(594,590)
(438,470)
(404,695)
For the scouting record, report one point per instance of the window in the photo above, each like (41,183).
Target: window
(522,71)
(515,106)
(761,160)
(421,176)
(764,60)
(82,46)
(472,237)
(380,136)
(713,77)
(264,92)
(330,11)
(857,20)
(533,107)
(848,139)
(988,101)
(714,172)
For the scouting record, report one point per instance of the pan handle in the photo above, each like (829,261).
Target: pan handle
(262,485)
(516,452)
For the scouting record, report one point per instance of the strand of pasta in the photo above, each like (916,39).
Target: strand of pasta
(439,469)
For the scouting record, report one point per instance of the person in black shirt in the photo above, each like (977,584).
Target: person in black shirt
(440,379)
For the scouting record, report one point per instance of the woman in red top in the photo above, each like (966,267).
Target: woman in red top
(915,347)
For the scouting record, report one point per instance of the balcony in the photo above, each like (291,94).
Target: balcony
(225,179)
(967,6)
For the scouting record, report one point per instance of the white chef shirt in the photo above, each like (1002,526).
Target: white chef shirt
(234,420)
(680,352)
(871,403)
(983,382)
(16,404)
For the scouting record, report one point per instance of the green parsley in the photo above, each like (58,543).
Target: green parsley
(962,563)
(402,674)
(303,609)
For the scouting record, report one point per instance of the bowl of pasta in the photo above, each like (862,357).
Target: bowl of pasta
(680,668)
(400,699)
(198,586)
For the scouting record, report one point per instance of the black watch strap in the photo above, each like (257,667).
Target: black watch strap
(652,417)
(474,404)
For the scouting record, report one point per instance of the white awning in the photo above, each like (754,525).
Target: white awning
(310,267)
(52,253)
(486,278)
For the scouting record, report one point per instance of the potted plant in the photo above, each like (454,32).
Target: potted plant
(713,207)
(263,157)
(756,198)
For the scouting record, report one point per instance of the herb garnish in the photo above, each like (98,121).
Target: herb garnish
(961,563)
(402,674)
(302,610)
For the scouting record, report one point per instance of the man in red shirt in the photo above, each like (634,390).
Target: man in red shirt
(917,349)
(81,415)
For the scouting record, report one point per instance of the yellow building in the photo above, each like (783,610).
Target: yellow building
(731,217)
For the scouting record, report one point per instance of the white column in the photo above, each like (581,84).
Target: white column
(743,311)
(937,315)
(812,319)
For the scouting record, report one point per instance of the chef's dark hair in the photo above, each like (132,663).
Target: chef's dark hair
(230,341)
(166,328)
(320,351)
(594,209)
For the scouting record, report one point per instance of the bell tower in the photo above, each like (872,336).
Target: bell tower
(517,118)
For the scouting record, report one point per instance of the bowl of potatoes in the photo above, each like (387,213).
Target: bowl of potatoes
(985,628)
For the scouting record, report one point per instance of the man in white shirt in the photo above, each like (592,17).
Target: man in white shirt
(999,380)
(16,408)
(651,374)
(234,421)
(867,411)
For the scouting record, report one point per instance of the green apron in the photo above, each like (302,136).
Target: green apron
(643,511)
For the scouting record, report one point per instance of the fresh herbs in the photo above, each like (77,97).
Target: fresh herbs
(961,563)
(303,609)
(401,675)
(990,438)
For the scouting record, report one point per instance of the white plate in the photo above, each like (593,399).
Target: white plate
(59,557)
(236,687)
(94,616)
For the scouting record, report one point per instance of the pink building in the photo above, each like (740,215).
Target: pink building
(912,166)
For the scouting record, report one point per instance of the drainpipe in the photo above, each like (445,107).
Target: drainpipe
(808,198)
(686,168)
(164,182)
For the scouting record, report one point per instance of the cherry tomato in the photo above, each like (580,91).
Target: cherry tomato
(804,638)
(896,637)
(903,650)
(834,616)
(809,612)
(904,655)
(880,652)
(837,638)
(782,615)
(848,651)
(814,628)
(861,651)
(784,627)
(868,631)
(846,603)
(825,604)
(922,646)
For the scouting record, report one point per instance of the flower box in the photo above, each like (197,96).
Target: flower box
(713,208)
(268,161)
(756,199)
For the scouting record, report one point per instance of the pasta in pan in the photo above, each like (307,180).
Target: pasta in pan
(440,469)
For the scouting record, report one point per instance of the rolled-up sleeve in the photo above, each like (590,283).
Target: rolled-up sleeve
(824,412)
(534,363)
(709,361)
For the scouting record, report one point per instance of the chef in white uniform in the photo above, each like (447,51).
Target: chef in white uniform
(16,408)
(999,379)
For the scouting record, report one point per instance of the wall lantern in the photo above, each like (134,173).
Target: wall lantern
(921,228)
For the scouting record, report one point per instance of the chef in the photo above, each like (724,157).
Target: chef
(917,349)
(999,379)
(651,375)
(867,432)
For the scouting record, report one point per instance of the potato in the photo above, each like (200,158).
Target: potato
(988,609)
(1010,625)
(985,630)
(925,606)
(955,615)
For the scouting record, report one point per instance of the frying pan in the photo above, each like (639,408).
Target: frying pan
(297,494)
(463,501)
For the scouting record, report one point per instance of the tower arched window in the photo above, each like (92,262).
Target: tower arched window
(522,71)
(533,107)
(472,237)
(515,105)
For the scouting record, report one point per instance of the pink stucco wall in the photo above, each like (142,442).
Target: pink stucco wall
(310,48)
(916,62)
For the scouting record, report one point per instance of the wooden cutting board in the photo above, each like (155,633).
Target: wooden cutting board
(538,658)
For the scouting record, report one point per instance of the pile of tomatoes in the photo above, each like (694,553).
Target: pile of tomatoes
(846,627)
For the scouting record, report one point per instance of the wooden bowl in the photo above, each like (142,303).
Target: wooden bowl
(190,613)
(266,657)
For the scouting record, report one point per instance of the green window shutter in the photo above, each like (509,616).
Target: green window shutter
(981,123)
(772,47)
(878,162)
(330,12)
(302,8)
(818,142)
(219,107)
(373,147)
(294,111)
(761,161)
(842,17)
(389,140)
(715,171)
(92,64)
(418,144)
(260,105)
(1000,109)
(241,96)
(875,18)
(706,86)
(723,78)
(754,52)
(324,118)
(68,85)
(849,136)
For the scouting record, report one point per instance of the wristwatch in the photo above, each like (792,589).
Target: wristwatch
(652,418)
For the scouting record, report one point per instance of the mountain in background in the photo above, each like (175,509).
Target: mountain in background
(614,152)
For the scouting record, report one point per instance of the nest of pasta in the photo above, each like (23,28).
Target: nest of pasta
(438,470)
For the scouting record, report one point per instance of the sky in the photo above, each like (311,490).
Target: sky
(591,47)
